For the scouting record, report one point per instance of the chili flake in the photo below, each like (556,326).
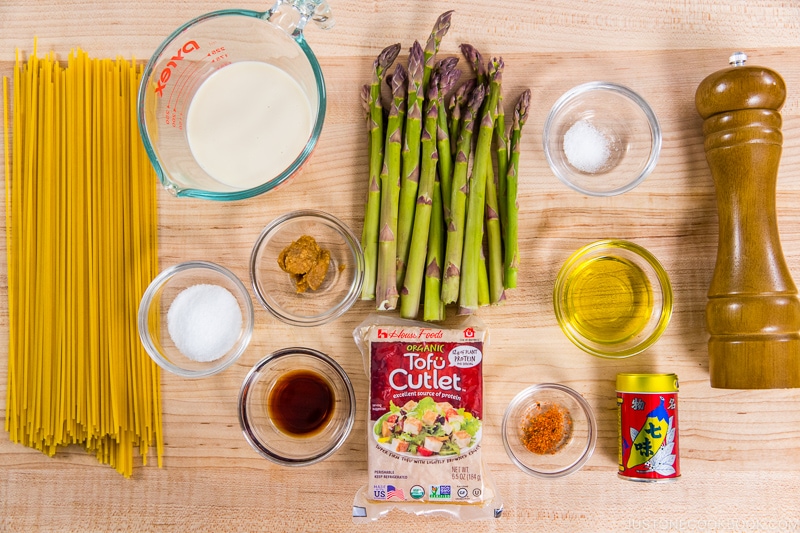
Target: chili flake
(546,428)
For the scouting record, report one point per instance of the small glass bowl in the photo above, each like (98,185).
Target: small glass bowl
(277,290)
(258,426)
(581,430)
(626,121)
(155,305)
(612,298)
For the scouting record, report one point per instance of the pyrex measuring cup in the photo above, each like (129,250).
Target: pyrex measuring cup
(209,114)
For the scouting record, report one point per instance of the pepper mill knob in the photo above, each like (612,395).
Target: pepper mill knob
(737,59)
(753,312)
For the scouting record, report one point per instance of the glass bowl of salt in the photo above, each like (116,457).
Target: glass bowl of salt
(601,139)
(195,319)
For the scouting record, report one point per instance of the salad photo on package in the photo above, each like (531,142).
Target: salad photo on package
(427,429)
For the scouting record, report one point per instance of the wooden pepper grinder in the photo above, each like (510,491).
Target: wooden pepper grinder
(753,312)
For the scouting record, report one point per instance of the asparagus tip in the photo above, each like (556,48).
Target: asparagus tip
(495,69)
(447,64)
(476,98)
(475,59)
(444,18)
(387,56)
(432,92)
(365,98)
(448,79)
(465,90)
(440,29)
(398,80)
(416,64)
(521,110)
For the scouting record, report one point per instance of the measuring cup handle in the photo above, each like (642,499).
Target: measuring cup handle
(293,15)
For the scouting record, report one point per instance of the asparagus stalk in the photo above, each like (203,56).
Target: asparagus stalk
(386,283)
(468,297)
(369,236)
(440,29)
(365,106)
(475,59)
(371,263)
(494,241)
(483,280)
(449,75)
(412,282)
(493,230)
(501,147)
(512,204)
(455,105)
(433,307)
(455,226)
(410,167)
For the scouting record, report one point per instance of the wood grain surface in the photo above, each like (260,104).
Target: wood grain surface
(739,449)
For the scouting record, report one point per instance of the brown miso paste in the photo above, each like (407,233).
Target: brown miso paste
(306,262)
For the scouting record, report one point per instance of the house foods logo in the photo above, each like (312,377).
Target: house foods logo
(414,334)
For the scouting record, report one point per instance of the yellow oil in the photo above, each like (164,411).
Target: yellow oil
(608,300)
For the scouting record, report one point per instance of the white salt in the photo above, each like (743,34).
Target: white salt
(204,322)
(586,148)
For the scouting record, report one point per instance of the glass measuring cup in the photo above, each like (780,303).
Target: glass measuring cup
(188,160)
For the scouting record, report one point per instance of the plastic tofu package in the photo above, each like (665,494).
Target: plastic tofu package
(424,420)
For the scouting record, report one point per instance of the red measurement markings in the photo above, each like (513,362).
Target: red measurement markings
(181,84)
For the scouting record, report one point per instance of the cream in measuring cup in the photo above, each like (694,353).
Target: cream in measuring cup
(232,103)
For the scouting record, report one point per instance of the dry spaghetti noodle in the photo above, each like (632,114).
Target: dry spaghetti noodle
(81,237)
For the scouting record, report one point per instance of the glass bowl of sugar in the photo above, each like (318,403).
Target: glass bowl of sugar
(601,139)
(195,319)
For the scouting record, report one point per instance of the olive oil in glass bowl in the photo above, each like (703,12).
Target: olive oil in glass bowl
(612,298)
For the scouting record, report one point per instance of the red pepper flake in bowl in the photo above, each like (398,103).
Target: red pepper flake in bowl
(546,428)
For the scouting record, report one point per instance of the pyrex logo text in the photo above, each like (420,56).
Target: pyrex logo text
(166,73)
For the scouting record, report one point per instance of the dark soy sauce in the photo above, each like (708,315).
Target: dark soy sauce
(301,403)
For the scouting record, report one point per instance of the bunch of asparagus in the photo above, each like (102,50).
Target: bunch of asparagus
(437,229)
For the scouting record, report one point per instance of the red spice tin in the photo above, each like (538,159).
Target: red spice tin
(647,413)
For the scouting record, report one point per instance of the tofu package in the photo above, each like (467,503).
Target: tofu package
(424,420)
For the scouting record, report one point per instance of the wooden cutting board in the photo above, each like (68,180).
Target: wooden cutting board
(738,449)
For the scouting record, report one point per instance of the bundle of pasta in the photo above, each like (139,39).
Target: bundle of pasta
(81,229)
